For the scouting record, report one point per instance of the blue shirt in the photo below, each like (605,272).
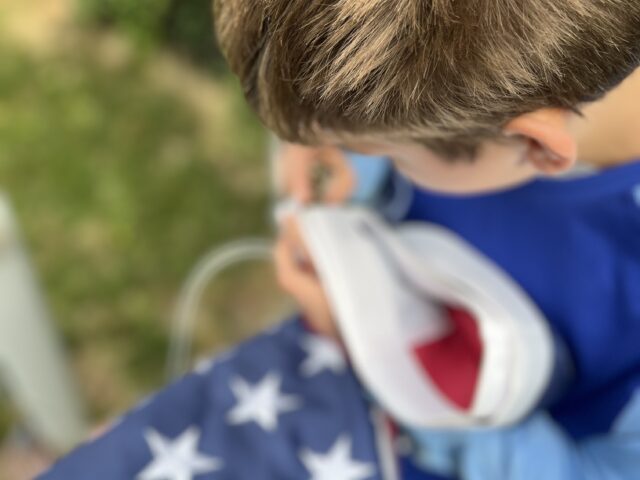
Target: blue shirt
(574,245)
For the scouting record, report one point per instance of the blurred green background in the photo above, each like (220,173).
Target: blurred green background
(127,151)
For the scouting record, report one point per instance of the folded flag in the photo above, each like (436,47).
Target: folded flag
(283,405)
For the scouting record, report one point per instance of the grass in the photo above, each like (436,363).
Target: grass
(117,196)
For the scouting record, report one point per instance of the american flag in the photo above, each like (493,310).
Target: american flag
(283,405)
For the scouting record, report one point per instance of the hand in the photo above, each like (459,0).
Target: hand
(297,276)
(298,164)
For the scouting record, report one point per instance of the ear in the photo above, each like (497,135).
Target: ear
(551,148)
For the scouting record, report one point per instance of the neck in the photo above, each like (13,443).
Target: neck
(609,132)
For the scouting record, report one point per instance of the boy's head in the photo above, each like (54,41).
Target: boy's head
(465,78)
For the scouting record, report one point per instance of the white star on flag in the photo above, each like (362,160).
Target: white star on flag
(261,403)
(178,459)
(322,353)
(337,464)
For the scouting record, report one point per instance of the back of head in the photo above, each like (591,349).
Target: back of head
(445,73)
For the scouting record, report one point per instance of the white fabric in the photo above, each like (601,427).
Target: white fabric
(385,285)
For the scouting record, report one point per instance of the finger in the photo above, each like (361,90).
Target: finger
(340,189)
(297,245)
(341,182)
(302,285)
(298,162)
(305,288)
(297,272)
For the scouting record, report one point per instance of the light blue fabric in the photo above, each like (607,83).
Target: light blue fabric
(370,174)
(533,450)
(379,186)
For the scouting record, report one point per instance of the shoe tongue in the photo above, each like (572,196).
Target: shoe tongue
(453,361)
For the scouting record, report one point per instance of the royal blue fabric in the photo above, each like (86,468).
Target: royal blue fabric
(573,244)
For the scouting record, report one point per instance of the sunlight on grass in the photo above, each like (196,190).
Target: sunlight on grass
(117,197)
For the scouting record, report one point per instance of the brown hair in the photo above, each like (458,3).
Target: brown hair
(445,73)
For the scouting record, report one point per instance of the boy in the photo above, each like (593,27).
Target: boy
(481,99)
